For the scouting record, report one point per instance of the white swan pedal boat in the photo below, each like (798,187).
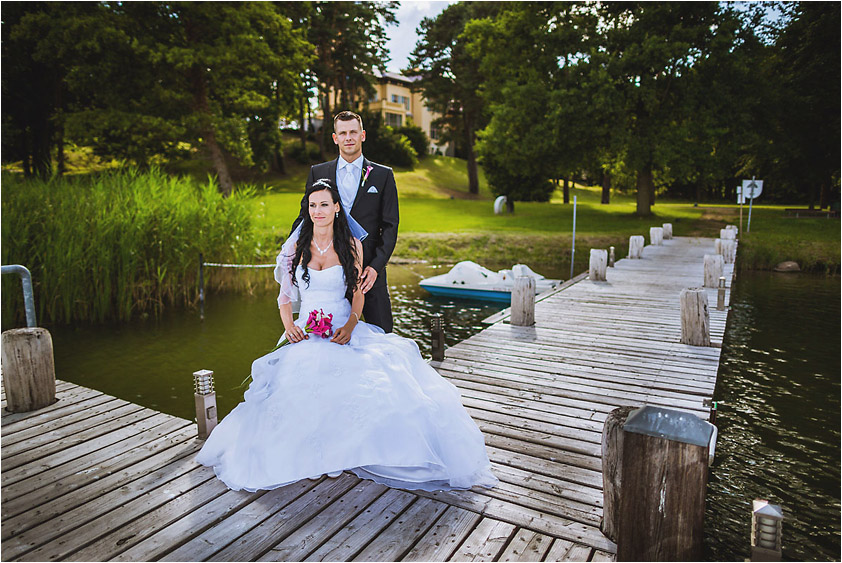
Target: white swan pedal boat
(471,281)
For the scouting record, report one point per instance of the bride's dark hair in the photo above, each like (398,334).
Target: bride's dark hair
(341,240)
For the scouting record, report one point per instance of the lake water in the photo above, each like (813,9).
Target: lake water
(779,424)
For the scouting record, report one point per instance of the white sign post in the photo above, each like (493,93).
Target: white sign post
(750,189)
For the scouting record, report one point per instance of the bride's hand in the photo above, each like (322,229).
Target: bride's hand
(295,334)
(343,335)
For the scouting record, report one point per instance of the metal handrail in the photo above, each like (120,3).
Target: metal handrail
(28,297)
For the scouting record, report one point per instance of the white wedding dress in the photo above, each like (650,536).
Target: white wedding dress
(373,407)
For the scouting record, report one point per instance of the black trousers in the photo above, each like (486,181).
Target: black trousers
(377,309)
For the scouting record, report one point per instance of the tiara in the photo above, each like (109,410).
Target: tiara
(322,182)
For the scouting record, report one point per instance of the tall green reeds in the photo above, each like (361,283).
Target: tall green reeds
(117,244)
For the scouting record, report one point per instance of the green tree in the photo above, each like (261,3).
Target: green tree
(450,77)
(217,74)
(350,42)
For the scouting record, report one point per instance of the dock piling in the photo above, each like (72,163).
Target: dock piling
(656,236)
(720,294)
(523,301)
(29,370)
(598,264)
(695,318)
(728,249)
(713,269)
(667,231)
(611,257)
(636,243)
(665,473)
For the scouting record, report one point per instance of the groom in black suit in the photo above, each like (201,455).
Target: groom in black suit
(369,194)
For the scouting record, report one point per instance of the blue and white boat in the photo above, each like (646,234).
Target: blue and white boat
(469,280)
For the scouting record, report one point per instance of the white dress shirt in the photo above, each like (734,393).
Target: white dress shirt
(348,186)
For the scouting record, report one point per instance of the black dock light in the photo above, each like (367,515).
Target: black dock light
(205,402)
(720,295)
(437,331)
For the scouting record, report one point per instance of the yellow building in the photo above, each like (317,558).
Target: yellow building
(397,103)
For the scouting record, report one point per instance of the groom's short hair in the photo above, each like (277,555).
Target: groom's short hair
(347,116)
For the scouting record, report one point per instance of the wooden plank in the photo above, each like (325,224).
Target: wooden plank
(22,545)
(188,526)
(399,536)
(152,496)
(91,407)
(560,488)
(279,525)
(67,478)
(351,539)
(215,538)
(59,408)
(599,555)
(442,540)
(526,545)
(116,541)
(485,542)
(525,517)
(136,423)
(55,440)
(308,537)
(96,487)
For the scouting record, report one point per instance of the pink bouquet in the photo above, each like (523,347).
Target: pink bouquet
(317,323)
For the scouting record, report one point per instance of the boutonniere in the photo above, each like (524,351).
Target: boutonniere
(368,170)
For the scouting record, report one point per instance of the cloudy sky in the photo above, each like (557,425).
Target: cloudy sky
(402,37)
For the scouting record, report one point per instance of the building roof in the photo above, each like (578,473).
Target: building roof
(399,77)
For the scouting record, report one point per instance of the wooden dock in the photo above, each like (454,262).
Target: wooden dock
(96,478)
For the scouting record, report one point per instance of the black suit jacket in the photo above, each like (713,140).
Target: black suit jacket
(375,210)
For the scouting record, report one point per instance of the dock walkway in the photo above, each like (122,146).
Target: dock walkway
(94,478)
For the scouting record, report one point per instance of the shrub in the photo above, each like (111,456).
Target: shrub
(384,145)
(416,137)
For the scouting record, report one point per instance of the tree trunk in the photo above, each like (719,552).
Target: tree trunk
(651,193)
(326,118)
(302,125)
(60,165)
(566,190)
(812,195)
(644,189)
(277,163)
(606,188)
(824,198)
(473,173)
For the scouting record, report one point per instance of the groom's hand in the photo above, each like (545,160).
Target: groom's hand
(368,278)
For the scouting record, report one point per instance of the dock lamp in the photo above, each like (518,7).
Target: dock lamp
(205,402)
(766,531)
(437,333)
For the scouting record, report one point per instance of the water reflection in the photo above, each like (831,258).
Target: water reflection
(779,427)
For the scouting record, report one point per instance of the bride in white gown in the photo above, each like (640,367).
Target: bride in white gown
(362,400)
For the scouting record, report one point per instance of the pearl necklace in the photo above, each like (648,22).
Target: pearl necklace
(319,248)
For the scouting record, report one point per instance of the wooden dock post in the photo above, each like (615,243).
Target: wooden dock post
(437,335)
(717,246)
(598,264)
(720,294)
(636,243)
(667,231)
(611,257)
(29,371)
(665,473)
(612,469)
(205,402)
(523,301)
(728,249)
(656,236)
(695,318)
(727,234)
(713,269)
